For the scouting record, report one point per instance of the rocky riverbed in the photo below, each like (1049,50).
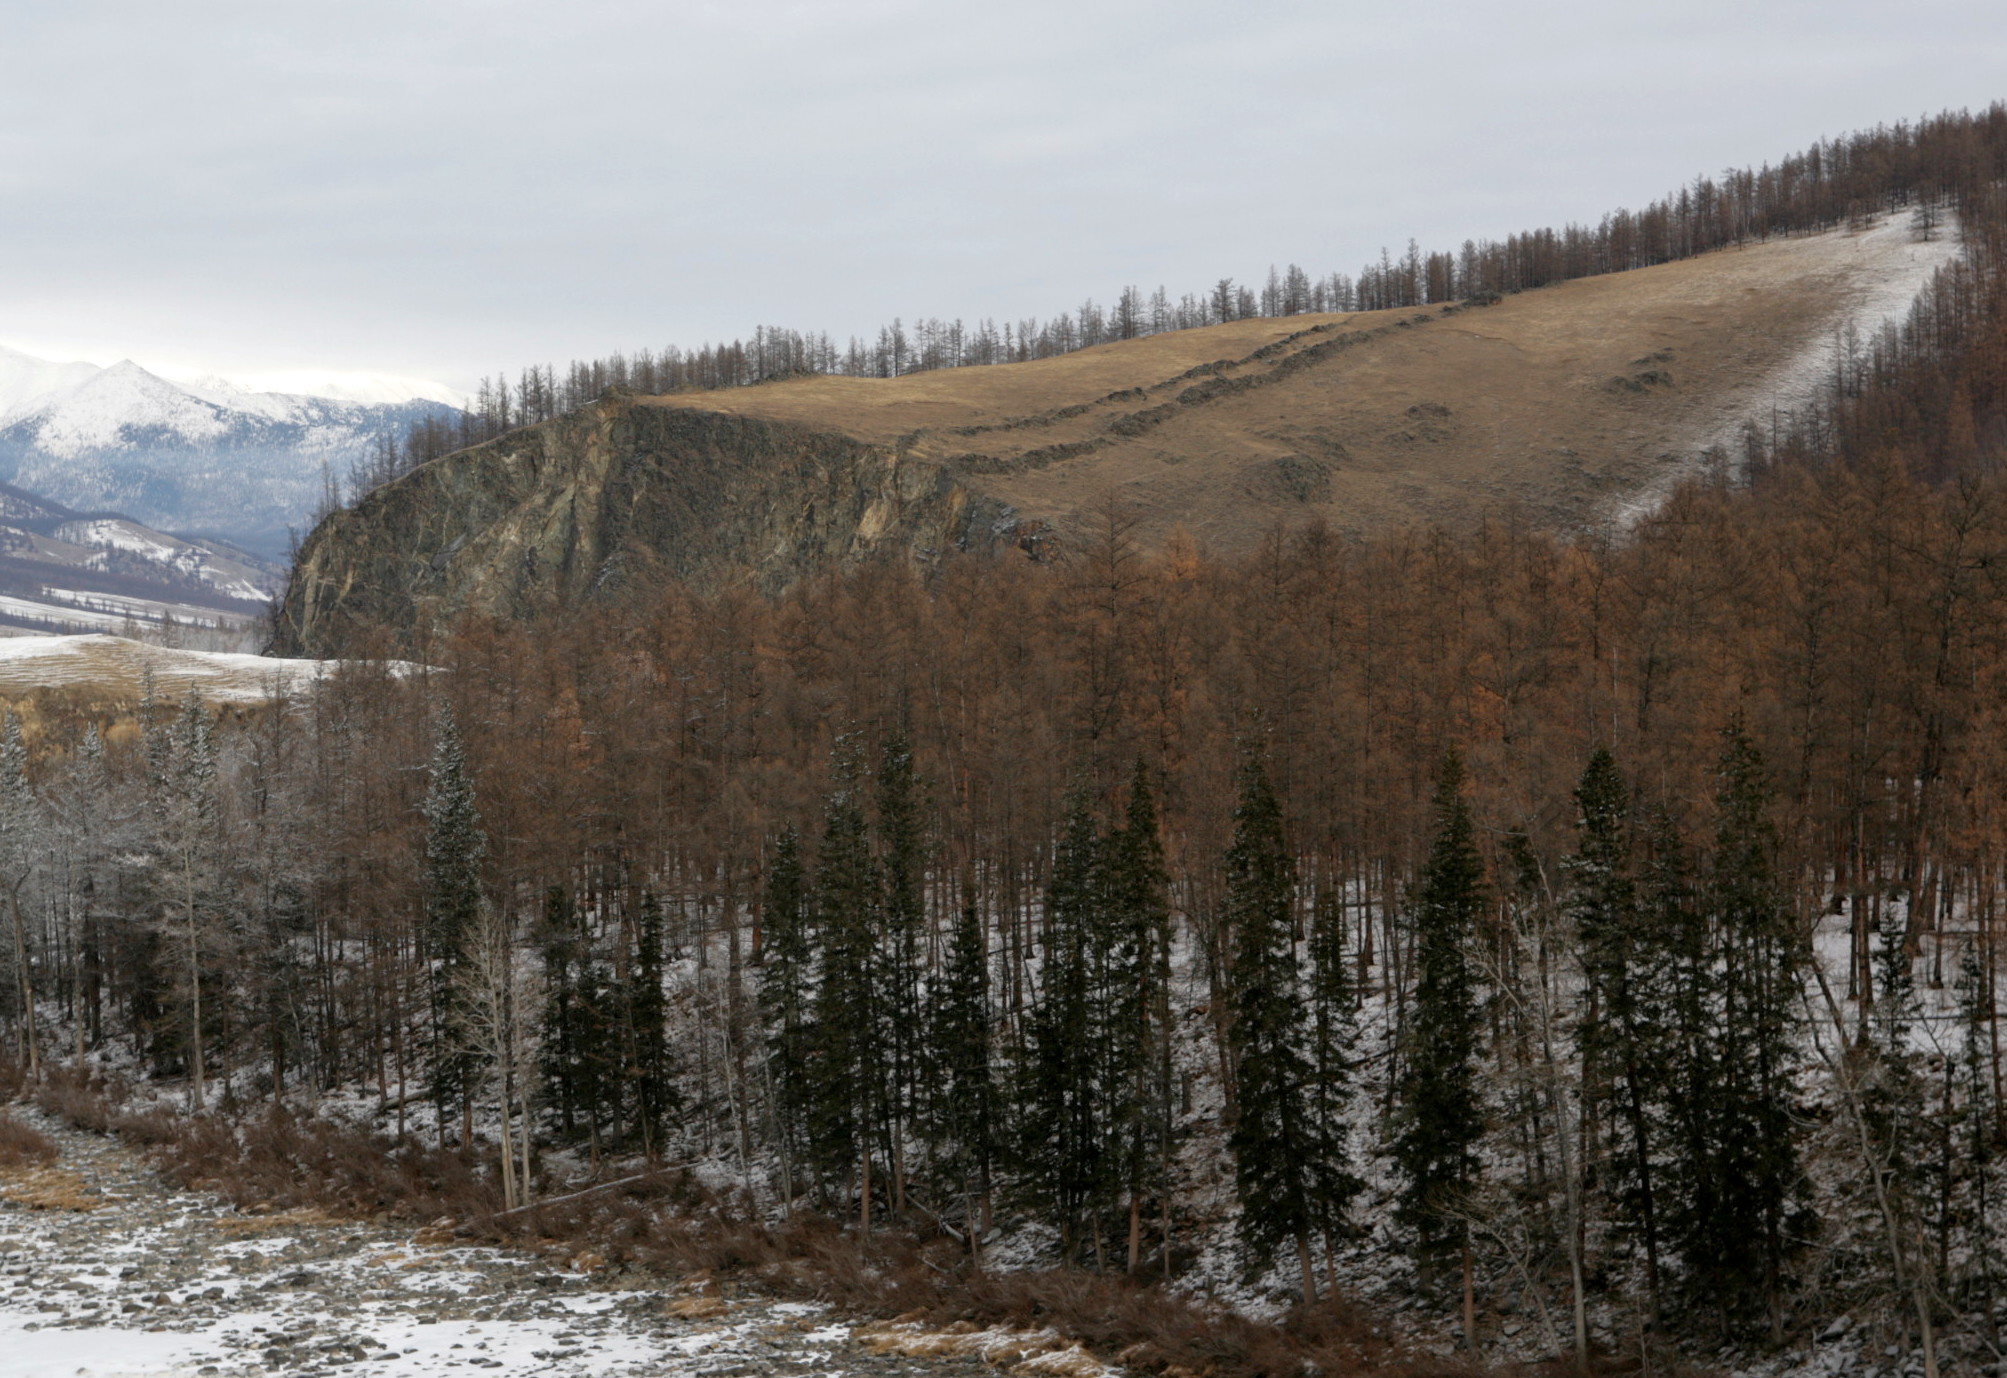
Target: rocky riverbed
(107,1270)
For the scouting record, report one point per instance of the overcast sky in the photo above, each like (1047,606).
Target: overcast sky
(451,187)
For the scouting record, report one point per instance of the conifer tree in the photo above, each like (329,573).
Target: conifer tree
(1670,912)
(1600,902)
(653,1071)
(902,862)
(1273,1141)
(1138,999)
(1062,1135)
(1617,1030)
(187,816)
(1907,1150)
(1755,1136)
(1978,1133)
(964,1120)
(455,847)
(786,992)
(847,1070)
(1441,1114)
(1333,1034)
(17,860)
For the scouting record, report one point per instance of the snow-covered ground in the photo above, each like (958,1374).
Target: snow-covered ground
(115,664)
(1874,277)
(105,1270)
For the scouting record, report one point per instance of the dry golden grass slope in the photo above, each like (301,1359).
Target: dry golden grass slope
(1578,402)
(47,679)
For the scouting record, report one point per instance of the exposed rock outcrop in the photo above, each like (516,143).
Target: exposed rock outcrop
(608,505)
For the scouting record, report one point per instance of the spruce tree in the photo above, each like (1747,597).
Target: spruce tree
(17,863)
(1618,1036)
(1907,1148)
(847,1069)
(653,1070)
(1757,961)
(455,847)
(1441,1114)
(902,863)
(1062,1143)
(1273,1142)
(1600,903)
(1138,998)
(786,992)
(188,820)
(1978,1133)
(1333,1035)
(963,1122)
(566,1070)
(1691,1213)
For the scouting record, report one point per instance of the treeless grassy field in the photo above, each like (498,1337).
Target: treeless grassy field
(1576,403)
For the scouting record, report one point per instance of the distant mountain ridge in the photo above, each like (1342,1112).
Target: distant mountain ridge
(67,571)
(205,459)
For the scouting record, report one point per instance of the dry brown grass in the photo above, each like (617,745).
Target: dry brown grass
(50,1189)
(23,1145)
(1558,401)
(276,1220)
(29,1176)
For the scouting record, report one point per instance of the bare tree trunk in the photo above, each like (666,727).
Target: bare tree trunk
(195,1066)
(1909,1279)
(864,1189)
(1469,1299)
(26,984)
(523,1107)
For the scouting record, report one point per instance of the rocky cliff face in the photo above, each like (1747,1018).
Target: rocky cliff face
(608,505)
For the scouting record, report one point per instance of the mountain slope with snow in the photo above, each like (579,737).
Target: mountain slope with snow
(209,458)
(25,381)
(66,571)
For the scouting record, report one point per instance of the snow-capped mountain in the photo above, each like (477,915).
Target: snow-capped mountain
(25,381)
(208,458)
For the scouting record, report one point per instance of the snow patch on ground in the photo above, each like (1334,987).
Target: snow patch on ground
(114,663)
(155,1282)
(1877,275)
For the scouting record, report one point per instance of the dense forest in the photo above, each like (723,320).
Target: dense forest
(1602,930)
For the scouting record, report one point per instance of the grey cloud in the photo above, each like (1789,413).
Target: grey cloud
(451,188)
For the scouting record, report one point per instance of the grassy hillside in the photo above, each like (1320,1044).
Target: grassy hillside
(1573,401)
(1578,405)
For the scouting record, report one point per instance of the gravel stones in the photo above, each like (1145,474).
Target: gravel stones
(141,1278)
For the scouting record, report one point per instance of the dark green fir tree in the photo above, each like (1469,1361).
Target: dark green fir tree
(1441,1113)
(1061,1140)
(963,1123)
(786,996)
(1755,1140)
(1273,1139)
(455,847)
(653,1070)
(848,1065)
(1142,1123)
(901,1034)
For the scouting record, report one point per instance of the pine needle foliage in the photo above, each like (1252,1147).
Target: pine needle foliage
(455,847)
(1274,1140)
(1441,1113)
